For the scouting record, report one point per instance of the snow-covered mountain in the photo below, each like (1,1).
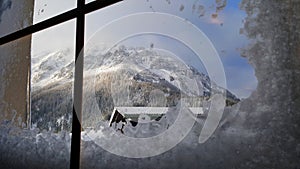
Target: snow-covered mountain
(58,67)
(47,68)
(121,77)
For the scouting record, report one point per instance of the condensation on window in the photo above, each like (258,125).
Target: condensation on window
(259,124)
(15,15)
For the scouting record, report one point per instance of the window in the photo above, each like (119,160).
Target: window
(143,56)
(52,77)
(7,44)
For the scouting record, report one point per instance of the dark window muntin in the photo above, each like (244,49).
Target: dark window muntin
(79,13)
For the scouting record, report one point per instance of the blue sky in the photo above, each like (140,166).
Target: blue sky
(223,32)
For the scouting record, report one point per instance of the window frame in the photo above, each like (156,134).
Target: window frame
(79,14)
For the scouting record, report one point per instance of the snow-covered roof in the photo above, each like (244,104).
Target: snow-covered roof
(152,110)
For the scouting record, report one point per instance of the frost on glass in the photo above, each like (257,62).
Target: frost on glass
(256,131)
(15,15)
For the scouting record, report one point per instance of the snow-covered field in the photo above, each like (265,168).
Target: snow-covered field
(22,148)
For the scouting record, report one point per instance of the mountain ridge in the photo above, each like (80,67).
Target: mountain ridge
(136,74)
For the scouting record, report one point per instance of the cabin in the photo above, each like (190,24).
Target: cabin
(134,115)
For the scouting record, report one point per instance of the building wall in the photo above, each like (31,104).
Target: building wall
(15,62)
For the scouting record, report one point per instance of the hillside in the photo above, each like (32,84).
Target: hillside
(122,77)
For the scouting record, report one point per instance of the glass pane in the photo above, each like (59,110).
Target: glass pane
(15,15)
(158,77)
(52,68)
(45,9)
(37,135)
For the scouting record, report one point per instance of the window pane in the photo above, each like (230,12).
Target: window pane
(45,9)
(52,68)
(38,137)
(154,71)
(15,15)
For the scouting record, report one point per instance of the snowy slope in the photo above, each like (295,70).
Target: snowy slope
(50,68)
(58,67)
